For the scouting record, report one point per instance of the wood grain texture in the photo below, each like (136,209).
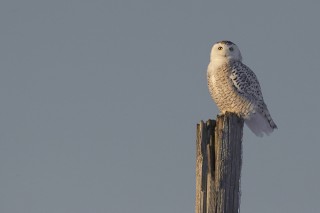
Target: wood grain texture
(218,164)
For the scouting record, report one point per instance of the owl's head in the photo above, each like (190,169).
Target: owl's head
(225,50)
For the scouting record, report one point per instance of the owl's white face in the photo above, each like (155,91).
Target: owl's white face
(225,50)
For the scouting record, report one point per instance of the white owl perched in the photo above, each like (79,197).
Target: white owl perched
(235,88)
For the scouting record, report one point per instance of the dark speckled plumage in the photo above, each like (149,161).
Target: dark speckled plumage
(226,42)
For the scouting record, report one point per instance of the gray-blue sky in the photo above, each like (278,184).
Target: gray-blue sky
(100,99)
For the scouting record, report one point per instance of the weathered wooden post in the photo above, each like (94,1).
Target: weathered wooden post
(218,164)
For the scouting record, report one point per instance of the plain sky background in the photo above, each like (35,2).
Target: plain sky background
(100,101)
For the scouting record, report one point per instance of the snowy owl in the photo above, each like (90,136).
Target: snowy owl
(235,88)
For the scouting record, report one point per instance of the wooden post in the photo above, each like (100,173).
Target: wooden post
(218,164)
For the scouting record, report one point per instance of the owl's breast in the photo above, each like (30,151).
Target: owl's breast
(223,91)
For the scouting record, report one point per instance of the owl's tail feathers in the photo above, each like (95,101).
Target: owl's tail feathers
(261,123)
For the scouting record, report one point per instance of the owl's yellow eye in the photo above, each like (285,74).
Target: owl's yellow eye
(220,48)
